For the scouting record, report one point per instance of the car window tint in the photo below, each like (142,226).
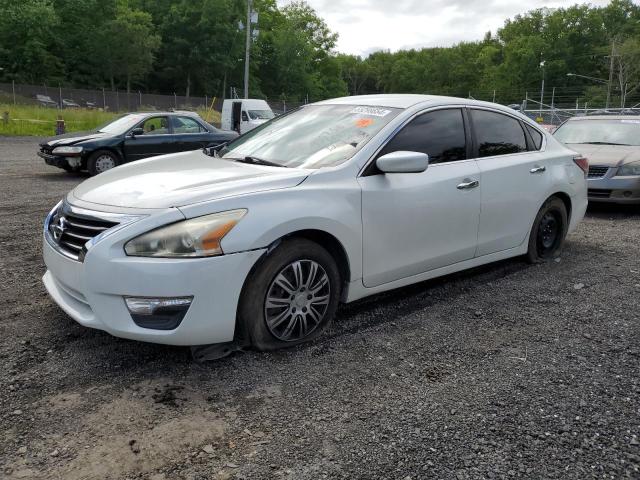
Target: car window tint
(186,125)
(497,134)
(439,134)
(536,136)
(155,126)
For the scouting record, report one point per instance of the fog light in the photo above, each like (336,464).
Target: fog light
(158,313)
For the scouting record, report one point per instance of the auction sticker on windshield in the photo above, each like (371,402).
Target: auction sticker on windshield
(375,112)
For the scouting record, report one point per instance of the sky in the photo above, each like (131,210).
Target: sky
(366,26)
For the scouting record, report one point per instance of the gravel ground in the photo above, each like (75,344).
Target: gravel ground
(506,371)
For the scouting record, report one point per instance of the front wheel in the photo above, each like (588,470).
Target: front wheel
(290,297)
(101,161)
(548,231)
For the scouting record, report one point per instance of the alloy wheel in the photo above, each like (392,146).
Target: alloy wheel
(297,300)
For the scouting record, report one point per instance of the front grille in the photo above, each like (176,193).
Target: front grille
(597,171)
(598,193)
(69,230)
(79,230)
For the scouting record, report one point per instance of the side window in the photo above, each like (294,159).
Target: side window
(439,134)
(186,125)
(155,126)
(536,136)
(245,118)
(497,134)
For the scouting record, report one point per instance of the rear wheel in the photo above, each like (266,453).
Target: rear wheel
(101,161)
(290,297)
(548,232)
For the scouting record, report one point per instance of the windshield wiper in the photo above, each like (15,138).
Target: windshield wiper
(256,161)
(606,143)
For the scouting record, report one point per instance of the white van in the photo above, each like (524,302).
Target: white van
(244,114)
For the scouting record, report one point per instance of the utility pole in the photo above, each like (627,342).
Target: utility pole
(613,49)
(541,88)
(248,48)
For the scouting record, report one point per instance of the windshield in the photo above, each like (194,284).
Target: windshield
(260,114)
(605,131)
(120,125)
(314,136)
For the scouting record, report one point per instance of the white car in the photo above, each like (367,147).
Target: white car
(260,241)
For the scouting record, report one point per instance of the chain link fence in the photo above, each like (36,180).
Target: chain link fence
(115,101)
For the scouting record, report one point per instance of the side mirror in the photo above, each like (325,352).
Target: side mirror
(403,162)
(137,131)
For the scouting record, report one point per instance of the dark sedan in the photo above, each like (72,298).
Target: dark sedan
(131,137)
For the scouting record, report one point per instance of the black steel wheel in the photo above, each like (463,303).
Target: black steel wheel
(548,231)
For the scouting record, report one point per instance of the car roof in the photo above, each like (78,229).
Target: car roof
(605,117)
(160,112)
(406,100)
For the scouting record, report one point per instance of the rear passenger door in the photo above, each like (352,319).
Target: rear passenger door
(189,134)
(514,178)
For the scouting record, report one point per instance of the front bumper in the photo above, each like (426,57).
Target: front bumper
(611,189)
(92,292)
(59,160)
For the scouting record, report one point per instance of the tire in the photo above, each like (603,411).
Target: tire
(548,231)
(290,317)
(100,160)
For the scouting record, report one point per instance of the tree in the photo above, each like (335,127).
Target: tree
(201,44)
(28,34)
(128,45)
(628,63)
(80,47)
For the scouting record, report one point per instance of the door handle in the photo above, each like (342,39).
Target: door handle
(538,169)
(468,184)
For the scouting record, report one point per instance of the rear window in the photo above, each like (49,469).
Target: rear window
(600,131)
(497,134)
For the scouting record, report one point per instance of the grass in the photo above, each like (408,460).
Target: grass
(27,120)
(40,121)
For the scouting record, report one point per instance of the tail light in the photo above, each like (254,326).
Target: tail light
(583,163)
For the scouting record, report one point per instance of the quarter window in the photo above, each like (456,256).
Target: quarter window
(439,134)
(497,134)
(536,136)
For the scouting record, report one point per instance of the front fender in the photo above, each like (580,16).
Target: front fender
(271,215)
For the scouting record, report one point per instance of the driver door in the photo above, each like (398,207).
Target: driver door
(416,222)
(157,139)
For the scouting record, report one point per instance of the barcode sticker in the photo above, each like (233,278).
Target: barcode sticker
(373,111)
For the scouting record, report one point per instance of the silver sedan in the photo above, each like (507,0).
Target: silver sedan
(612,146)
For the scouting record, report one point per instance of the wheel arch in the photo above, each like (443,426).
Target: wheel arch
(322,238)
(566,199)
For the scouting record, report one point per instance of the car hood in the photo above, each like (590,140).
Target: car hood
(609,155)
(73,138)
(182,179)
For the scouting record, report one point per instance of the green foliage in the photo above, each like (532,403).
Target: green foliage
(28,31)
(196,47)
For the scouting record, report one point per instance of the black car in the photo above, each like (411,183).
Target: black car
(131,137)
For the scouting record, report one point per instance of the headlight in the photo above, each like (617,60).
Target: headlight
(67,150)
(629,169)
(197,237)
